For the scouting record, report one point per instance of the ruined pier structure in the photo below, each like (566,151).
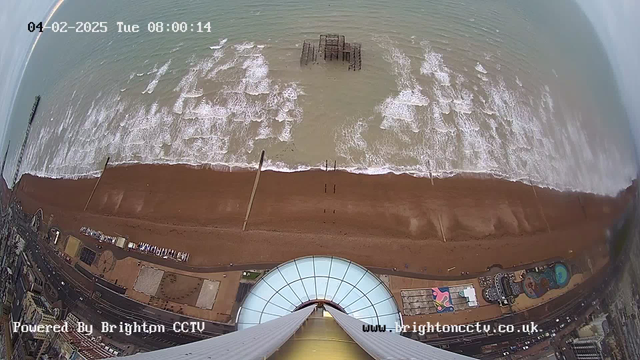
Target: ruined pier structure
(332,47)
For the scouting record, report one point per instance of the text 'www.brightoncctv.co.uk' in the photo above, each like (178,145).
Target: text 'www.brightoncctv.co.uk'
(438,328)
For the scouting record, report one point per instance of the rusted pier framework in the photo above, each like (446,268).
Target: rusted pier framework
(332,47)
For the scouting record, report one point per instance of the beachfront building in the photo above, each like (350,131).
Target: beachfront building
(37,312)
(73,345)
(315,307)
(340,283)
(587,348)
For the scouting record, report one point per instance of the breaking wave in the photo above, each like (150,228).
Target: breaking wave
(451,124)
(436,122)
(249,106)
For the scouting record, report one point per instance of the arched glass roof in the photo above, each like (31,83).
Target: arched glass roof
(353,288)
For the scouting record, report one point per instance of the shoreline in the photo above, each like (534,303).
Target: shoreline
(155,191)
(283,168)
(381,221)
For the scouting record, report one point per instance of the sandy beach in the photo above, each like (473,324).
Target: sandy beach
(376,220)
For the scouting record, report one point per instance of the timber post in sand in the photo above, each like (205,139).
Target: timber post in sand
(444,238)
(96,185)
(253,192)
(540,206)
(430,174)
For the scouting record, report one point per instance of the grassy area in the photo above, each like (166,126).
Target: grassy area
(250,275)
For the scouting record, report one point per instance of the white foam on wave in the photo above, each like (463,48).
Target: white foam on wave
(227,65)
(256,81)
(154,70)
(434,65)
(349,138)
(176,48)
(188,85)
(196,129)
(399,112)
(152,85)
(518,81)
(244,46)
(219,46)
(499,128)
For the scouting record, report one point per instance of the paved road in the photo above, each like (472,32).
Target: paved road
(550,318)
(117,308)
(114,308)
(76,291)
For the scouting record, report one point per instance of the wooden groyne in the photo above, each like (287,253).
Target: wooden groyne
(24,143)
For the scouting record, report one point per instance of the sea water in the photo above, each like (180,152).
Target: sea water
(520,90)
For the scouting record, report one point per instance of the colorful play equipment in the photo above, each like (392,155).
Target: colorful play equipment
(538,283)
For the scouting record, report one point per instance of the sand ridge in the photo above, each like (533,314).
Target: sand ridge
(376,220)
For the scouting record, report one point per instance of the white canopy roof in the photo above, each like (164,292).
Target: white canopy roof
(351,287)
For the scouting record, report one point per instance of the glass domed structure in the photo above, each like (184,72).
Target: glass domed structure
(340,283)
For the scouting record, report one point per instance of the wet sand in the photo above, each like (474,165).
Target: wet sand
(376,220)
